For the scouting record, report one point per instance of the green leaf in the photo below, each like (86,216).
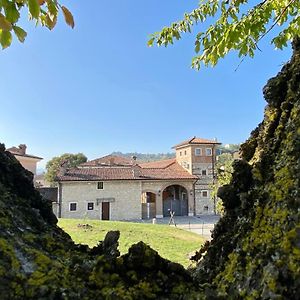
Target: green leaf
(68,16)
(34,8)
(197,46)
(150,42)
(52,8)
(50,22)
(11,12)
(20,33)
(5,39)
(4,24)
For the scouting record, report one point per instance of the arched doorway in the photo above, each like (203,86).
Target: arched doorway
(175,198)
(148,205)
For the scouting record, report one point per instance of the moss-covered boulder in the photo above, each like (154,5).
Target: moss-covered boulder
(38,260)
(255,251)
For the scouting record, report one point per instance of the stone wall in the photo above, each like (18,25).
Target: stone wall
(124,198)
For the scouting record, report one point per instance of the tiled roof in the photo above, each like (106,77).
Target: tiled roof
(28,155)
(172,171)
(108,160)
(100,173)
(160,164)
(16,151)
(196,140)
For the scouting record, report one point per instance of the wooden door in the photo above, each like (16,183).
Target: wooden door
(105,211)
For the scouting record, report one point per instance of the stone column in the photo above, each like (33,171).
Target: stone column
(159,205)
(191,202)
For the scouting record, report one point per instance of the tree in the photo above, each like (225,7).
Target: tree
(43,12)
(71,160)
(228,148)
(224,171)
(233,25)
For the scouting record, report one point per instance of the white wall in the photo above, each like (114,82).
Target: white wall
(127,195)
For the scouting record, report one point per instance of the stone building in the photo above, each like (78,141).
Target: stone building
(198,157)
(118,188)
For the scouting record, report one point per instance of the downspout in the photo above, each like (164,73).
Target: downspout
(213,171)
(194,192)
(59,199)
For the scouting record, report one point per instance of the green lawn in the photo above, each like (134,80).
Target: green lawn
(170,242)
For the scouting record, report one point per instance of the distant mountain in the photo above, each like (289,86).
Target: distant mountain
(145,157)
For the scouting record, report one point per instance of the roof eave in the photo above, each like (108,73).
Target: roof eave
(193,143)
(28,156)
(119,179)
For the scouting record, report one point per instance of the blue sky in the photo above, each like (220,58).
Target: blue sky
(99,88)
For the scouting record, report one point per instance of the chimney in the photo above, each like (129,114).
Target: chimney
(136,171)
(62,168)
(22,148)
(133,159)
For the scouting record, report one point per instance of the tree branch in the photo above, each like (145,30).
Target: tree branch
(276,22)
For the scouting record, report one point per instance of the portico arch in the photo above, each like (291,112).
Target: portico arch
(175,198)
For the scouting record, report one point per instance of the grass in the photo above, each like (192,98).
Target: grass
(171,243)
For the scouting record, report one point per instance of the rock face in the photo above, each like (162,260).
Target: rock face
(40,261)
(254,254)
(255,251)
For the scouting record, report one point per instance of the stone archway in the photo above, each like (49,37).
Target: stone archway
(148,200)
(175,198)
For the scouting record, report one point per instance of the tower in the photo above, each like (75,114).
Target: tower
(198,156)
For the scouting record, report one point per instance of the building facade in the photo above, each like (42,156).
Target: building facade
(28,161)
(117,188)
(198,157)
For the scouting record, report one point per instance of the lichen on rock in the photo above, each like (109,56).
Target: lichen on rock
(255,251)
(38,260)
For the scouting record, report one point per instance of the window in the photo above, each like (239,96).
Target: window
(185,165)
(204,194)
(73,206)
(100,185)
(90,206)
(184,152)
(208,152)
(180,153)
(204,172)
(198,151)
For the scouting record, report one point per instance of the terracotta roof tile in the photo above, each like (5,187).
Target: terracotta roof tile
(172,171)
(100,173)
(160,164)
(16,151)
(108,160)
(196,140)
